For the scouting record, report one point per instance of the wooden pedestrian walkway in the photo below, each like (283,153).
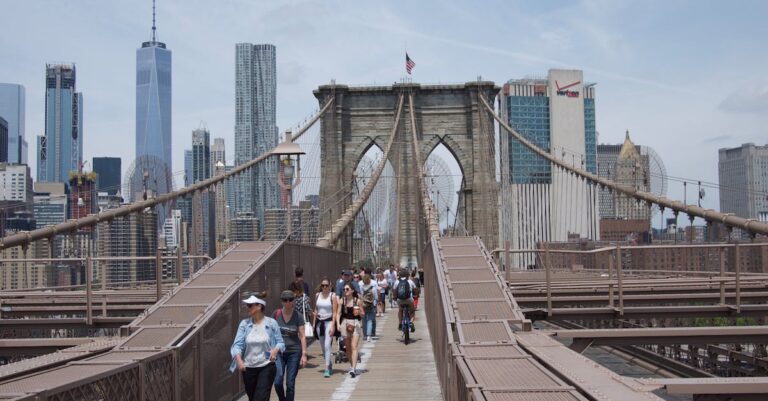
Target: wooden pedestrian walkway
(390,369)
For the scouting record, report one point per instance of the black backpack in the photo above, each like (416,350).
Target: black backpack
(403,289)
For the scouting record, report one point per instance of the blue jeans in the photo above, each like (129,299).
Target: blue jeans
(288,367)
(369,322)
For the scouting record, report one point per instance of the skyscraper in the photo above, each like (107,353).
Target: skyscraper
(3,140)
(12,103)
(187,167)
(743,179)
(218,153)
(153,99)
(201,155)
(543,203)
(255,126)
(203,203)
(61,149)
(108,174)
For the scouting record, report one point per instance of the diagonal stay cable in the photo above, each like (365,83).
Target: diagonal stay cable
(750,225)
(25,238)
(426,202)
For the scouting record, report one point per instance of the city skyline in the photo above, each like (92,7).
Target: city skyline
(704,87)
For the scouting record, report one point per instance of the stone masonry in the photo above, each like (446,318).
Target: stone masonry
(362,117)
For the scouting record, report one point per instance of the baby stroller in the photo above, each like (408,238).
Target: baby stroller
(340,356)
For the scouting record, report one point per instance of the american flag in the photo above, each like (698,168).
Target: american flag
(409,64)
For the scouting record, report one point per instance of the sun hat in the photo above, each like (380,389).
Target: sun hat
(254,300)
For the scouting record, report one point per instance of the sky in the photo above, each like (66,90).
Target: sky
(684,77)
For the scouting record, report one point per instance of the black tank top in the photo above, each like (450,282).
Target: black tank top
(348,312)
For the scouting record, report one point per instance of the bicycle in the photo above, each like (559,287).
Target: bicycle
(405,324)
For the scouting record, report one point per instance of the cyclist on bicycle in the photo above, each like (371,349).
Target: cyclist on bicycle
(404,293)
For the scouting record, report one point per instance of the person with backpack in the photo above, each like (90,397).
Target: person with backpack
(324,320)
(404,294)
(416,289)
(370,291)
(295,354)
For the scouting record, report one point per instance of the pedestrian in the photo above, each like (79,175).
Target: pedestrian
(383,288)
(298,274)
(416,290)
(370,292)
(324,319)
(344,278)
(349,314)
(257,345)
(301,303)
(356,282)
(391,276)
(295,354)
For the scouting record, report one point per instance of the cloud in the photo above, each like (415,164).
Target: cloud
(718,138)
(752,99)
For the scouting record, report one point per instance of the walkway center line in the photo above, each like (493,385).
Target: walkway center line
(347,387)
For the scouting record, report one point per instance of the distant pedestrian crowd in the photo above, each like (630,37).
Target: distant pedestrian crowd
(269,349)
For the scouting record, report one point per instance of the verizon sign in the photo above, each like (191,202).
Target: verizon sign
(565,89)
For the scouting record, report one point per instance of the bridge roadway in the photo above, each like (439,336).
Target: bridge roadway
(482,345)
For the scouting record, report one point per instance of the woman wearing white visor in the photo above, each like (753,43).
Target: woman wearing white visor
(256,347)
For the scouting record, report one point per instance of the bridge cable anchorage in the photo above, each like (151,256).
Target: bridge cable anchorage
(426,202)
(729,220)
(27,237)
(338,227)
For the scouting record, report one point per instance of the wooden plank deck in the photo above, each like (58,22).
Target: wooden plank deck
(390,369)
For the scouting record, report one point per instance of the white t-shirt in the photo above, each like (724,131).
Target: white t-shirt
(382,283)
(257,347)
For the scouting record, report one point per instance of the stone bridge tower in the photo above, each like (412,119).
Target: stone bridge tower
(362,117)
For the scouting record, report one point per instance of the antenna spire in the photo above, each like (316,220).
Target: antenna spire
(154,28)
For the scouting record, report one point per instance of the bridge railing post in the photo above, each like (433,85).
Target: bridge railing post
(548,274)
(721,252)
(619,268)
(737,261)
(158,274)
(610,281)
(88,290)
(179,261)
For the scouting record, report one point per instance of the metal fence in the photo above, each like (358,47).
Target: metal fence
(471,320)
(179,348)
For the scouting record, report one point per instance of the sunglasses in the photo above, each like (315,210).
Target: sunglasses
(347,289)
(356,277)
(287,300)
(325,285)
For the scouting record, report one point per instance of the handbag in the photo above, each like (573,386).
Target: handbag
(309,331)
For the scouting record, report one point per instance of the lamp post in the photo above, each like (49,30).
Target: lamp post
(289,172)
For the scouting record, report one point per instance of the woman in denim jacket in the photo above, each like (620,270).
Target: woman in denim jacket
(255,349)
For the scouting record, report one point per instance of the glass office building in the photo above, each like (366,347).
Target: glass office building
(60,150)
(12,103)
(153,101)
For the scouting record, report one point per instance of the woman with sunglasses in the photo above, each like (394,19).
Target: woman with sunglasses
(323,320)
(256,348)
(348,315)
(292,328)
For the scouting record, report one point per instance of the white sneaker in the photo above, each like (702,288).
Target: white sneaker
(352,372)
(368,339)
